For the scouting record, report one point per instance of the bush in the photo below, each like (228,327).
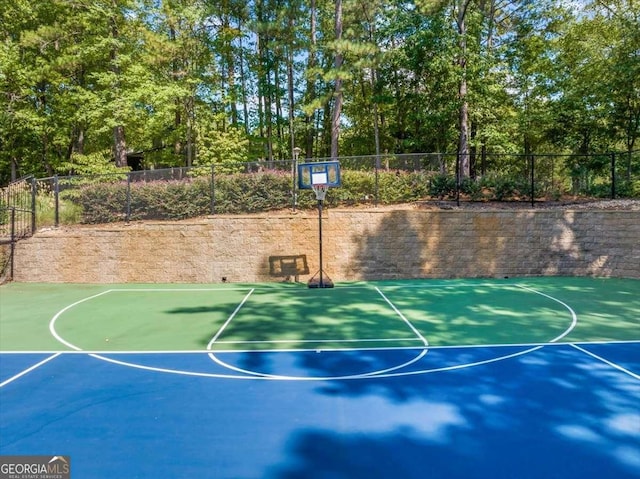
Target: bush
(473,188)
(627,189)
(252,192)
(442,186)
(69,212)
(103,202)
(400,187)
(357,187)
(172,200)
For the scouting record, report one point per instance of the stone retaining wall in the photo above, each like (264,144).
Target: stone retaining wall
(357,244)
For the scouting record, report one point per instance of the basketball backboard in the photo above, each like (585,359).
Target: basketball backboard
(318,173)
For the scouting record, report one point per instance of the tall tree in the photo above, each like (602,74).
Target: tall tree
(85,83)
(337,96)
(310,109)
(461,7)
(119,141)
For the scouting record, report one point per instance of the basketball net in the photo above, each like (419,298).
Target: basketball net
(320,191)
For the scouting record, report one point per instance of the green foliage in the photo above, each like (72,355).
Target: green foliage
(172,200)
(252,193)
(357,187)
(224,148)
(69,212)
(442,186)
(502,188)
(110,198)
(402,187)
(506,188)
(98,163)
(188,86)
(103,202)
(473,189)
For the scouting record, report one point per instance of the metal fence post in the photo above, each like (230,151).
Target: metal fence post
(377,185)
(458,179)
(56,195)
(294,171)
(12,244)
(613,176)
(533,180)
(128,207)
(212,192)
(34,192)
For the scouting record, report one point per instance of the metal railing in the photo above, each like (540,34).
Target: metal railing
(17,220)
(17,209)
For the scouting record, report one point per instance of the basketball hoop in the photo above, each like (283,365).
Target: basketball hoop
(320,190)
(319,176)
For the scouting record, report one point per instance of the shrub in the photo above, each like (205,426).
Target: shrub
(103,202)
(173,200)
(442,186)
(69,212)
(508,188)
(399,187)
(252,192)
(357,187)
(473,188)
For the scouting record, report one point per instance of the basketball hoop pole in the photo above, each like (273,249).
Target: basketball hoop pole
(320,191)
(319,176)
(321,284)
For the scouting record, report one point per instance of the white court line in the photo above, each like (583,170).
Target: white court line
(393,306)
(233,315)
(28,370)
(450,285)
(212,356)
(381,348)
(391,372)
(224,364)
(613,365)
(288,341)
(179,290)
(253,376)
(52,323)
(574,316)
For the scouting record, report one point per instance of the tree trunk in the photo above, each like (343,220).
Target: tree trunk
(119,142)
(373,78)
(463,141)
(337,106)
(268,104)
(292,133)
(278,102)
(264,86)
(119,146)
(245,105)
(310,118)
(14,168)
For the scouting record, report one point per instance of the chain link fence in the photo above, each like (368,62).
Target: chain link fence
(236,188)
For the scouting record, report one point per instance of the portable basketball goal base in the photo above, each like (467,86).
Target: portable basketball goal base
(319,177)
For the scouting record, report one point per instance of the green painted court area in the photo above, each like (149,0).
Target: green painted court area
(280,316)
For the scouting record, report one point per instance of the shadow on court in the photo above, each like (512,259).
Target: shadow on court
(553,413)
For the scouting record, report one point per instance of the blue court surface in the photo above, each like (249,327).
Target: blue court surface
(545,409)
